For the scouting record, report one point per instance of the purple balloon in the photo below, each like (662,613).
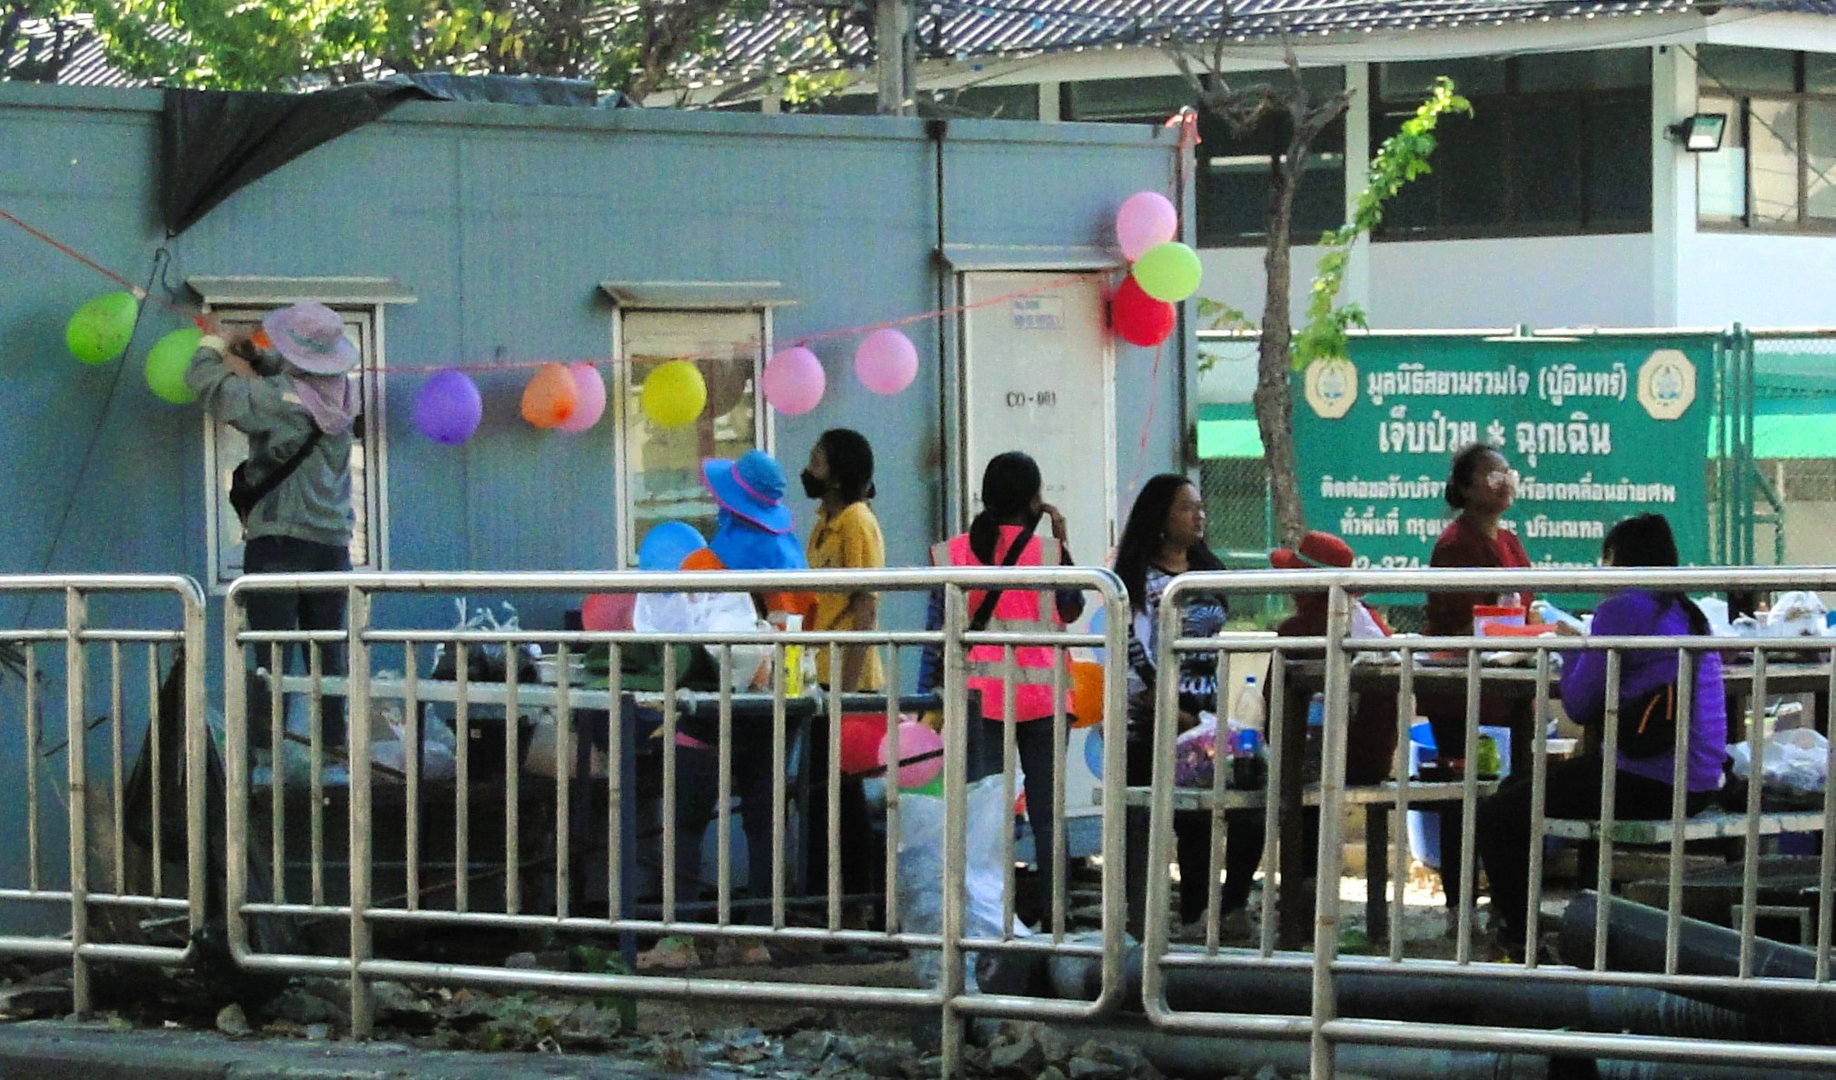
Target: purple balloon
(448,408)
(886,361)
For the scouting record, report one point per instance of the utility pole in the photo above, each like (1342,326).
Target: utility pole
(893,42)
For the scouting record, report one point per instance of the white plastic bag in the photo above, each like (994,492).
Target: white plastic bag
(921,837)
(1795,761)
(709,613)
(1797,614)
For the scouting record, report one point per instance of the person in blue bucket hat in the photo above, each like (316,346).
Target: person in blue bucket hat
(753,527)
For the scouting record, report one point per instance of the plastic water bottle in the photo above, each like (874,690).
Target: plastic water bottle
(1248,768)
(1247,709)
(1313,757)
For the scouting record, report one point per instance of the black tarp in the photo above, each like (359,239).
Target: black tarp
(214,142)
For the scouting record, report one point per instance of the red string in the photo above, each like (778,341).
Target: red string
(1147,425)
(207,324)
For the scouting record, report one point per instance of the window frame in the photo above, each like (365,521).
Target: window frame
(764,420)
(1800,101)
(1503,108)
(367,317)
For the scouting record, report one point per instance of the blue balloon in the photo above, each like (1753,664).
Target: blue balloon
(1093,752)
(666,545)
(1097,622)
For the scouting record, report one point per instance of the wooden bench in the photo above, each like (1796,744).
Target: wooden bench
(1709,825)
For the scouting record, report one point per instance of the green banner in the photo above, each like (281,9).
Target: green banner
(1598,428)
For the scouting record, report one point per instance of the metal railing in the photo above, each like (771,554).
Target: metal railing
(1733,1000)
(110,898)
(492,847)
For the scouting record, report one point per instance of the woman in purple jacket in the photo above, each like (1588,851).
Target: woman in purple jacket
(1642,788)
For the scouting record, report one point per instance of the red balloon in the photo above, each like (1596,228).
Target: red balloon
(861,736)
(1138,318)
(608,611)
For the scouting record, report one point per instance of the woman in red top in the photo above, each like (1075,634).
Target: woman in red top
(1480,489)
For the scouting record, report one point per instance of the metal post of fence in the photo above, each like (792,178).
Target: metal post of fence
(357,735)
(235,780)
(1332,799)
(197,758)
(76,676)
(955,842)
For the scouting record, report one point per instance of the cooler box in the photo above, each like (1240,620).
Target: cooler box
(1425,825)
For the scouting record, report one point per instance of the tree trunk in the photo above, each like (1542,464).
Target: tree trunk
(1274,359)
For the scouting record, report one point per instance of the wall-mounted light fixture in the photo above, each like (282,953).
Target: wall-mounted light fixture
(1701,133)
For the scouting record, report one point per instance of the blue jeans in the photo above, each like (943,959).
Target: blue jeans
(321,610)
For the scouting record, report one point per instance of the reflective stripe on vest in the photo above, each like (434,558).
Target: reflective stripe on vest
(1032,612)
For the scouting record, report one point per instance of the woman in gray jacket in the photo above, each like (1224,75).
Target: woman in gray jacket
(286,389)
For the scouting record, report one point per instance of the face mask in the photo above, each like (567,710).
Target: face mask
(814,486)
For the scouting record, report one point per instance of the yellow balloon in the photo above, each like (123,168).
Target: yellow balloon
(674,394)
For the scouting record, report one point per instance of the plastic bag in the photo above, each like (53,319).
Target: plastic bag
(710,613)
(485,661)
(1195,753)
(921,837)
(1797,614)
(1795,762)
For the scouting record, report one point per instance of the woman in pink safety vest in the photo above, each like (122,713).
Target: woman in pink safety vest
(1012,508)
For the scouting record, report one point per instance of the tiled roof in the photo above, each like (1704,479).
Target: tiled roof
(827,34)
(961,29)
(84,63)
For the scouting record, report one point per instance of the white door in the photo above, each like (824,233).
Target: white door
(1037,376)
(1038,373)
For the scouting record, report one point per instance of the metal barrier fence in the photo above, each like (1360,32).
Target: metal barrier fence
(132,876)
(1642,986)
(483,845)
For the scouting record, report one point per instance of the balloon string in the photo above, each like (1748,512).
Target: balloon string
(804,339)
(1147,424)
(139,293)
(206,323)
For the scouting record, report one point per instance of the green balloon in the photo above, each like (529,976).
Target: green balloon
(166,364)
(100,329)
(934,788)
(1168,271)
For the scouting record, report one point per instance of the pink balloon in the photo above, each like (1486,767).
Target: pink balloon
(920,754)
(608,611)
(1146,219)
(589,397)
(886,361)
(794,381)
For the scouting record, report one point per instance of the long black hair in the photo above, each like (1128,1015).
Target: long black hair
(1466,466)
(1010,483)
(1146,527)
(1646,540)
(850,458)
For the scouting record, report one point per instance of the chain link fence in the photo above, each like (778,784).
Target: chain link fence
(1794,385)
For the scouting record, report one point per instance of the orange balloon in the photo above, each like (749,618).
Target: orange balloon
(1086,693)
(703,559)
(550,398)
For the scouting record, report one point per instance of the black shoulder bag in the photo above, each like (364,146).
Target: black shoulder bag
(244,494)
(984,611)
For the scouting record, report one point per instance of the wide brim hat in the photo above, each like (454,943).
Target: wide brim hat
(751,488)
(1316,551)
(311,337)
